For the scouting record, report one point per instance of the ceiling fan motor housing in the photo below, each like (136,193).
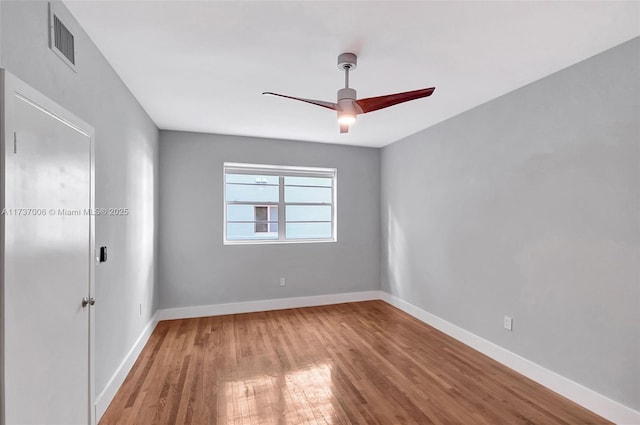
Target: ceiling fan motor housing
(346,99)
(346,94)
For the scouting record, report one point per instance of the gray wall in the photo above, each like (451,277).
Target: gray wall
(126,170)
(528,206)
(195,268)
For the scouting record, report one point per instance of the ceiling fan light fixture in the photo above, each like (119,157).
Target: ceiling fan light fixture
(345,108)
(346,118)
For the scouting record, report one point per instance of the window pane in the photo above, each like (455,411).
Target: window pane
(273,218)
(316,195)
(262,216)
(252,179)
(261,213)
(245,231)
(240,213)
(273,213)
(308,213)
(252,193)
(308,181)
(248,213)
(308,230)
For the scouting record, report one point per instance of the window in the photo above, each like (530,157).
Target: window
(268,203)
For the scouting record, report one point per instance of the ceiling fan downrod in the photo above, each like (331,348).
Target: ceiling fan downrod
(346,76)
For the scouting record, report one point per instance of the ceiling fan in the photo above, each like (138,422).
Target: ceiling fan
(348,106)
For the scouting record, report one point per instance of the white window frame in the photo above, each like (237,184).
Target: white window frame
(281,171)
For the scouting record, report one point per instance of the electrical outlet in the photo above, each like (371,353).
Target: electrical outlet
(283,282)
(508,323)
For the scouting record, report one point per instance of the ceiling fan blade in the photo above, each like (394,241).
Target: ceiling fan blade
(374,103)
(344,128)
(328,105)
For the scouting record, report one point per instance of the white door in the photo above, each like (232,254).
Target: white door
(48,267)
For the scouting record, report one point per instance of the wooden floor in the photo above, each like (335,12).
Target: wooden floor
(358,363)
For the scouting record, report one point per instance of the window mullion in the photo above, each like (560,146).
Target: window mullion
(282,219)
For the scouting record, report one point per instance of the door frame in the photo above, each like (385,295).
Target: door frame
(11,86)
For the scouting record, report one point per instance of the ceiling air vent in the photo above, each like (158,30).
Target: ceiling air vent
(62,41)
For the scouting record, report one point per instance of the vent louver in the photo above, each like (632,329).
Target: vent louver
(63,40)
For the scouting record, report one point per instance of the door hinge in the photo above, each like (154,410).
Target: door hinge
(15,142)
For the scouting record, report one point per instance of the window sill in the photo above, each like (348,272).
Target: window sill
(277,242)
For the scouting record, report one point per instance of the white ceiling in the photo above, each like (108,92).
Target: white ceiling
(202,66)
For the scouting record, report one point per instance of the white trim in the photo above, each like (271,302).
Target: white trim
(274,241)
(585,397)
(276,170)
(265,305)
(118,377)
(58,118)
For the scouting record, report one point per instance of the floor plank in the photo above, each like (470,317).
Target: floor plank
(355,363)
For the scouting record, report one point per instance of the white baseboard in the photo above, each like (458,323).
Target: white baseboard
(603,406)
(265,305)
(112,387)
